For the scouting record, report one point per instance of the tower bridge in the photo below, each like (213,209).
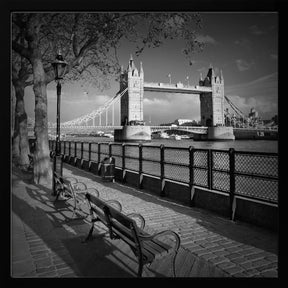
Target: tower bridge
(130,97)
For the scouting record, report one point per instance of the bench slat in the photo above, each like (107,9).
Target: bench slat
(154,247)
(100,215)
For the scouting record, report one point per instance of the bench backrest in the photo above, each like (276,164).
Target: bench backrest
(118,224)
(65,184)
(124,227)
(97,206)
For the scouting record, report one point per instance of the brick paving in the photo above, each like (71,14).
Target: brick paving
(47,243)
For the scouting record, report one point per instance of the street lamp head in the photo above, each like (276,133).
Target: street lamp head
(59,66)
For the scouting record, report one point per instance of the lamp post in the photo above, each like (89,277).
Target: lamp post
(59,66)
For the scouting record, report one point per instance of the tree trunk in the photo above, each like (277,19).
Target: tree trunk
(42,166)
(20,136)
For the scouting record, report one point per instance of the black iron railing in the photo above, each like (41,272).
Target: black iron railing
(247,174)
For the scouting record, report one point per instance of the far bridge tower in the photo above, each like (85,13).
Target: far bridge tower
(212,108)
(212,103)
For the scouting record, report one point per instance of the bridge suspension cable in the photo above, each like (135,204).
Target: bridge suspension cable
(235,108)
(94,113)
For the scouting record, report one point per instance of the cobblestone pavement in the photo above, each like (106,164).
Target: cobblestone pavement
(45,243)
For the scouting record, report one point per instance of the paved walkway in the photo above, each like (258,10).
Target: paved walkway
(47,243)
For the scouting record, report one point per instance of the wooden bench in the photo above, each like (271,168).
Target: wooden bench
(71,188)
(146,247)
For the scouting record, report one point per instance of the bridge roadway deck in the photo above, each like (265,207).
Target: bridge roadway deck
(45,243)
(175,88)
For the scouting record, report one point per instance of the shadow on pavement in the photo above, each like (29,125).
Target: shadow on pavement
(94,259)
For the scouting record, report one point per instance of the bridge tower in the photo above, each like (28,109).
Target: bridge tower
(212,103)
(212,108)
(132,100)
(131,106)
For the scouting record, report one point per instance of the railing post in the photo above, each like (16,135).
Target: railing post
(89,155)
(99,153)
(64,142)
(191,175)
(232,183)
(140,166)
(82,144)
(162,173)
(75,153)
(209,174)
(123,163)
(99,157)
(69,149)
(110,149)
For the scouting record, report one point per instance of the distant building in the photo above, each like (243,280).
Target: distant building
(182,121)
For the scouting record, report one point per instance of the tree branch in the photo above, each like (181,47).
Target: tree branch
(75,42)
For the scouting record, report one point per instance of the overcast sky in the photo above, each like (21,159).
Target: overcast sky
(243,45)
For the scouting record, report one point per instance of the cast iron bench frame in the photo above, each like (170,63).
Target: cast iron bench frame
(145,246)
(70,187)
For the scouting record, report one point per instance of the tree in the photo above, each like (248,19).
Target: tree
(20,145)
(28,26)
(89,42)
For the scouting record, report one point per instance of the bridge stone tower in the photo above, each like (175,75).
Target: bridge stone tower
(212,103)
(132,100)
(132,106)
(212,108)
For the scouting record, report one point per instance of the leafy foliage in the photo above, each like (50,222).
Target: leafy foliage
(89,41)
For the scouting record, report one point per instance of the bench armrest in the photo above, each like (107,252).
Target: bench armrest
(91,190)
(114,203)
(79,186)
(71,179)
(140,217)
(162,233)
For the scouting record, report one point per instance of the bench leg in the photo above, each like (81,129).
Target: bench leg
(74,212)
(140,268)
(89,236)
(57,196)
(174,263)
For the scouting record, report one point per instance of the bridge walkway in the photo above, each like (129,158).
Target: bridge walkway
(46,244)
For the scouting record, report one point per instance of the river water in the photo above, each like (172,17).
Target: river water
(270,146)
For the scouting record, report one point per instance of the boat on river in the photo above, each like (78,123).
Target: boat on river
(175,137)
(160,135)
